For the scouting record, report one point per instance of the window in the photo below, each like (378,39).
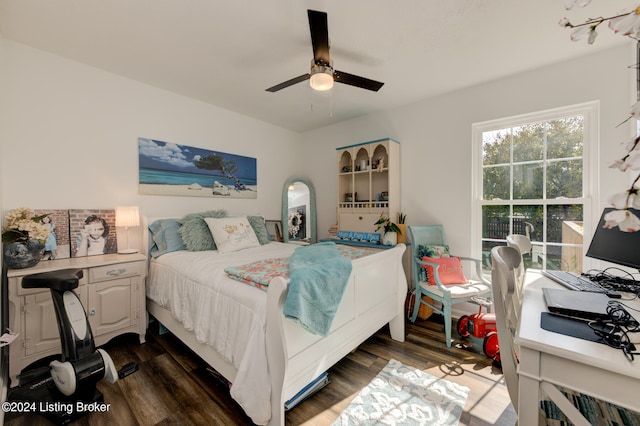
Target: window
(534,177)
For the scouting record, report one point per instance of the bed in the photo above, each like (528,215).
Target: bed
(241,332)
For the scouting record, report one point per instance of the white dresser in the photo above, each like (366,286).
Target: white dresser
(112,292)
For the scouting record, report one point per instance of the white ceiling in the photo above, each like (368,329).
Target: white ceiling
(227,53)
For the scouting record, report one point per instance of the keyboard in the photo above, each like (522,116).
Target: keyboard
(578,283)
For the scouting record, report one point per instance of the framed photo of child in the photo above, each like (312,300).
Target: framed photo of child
(92,232)
(57,244)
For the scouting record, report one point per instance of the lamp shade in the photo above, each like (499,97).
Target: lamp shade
(321,81)
(127,216)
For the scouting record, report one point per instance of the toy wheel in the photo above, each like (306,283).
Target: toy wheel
(463,322)
(491,347)
(497,361)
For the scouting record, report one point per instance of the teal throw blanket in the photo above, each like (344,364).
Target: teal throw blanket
(319,276)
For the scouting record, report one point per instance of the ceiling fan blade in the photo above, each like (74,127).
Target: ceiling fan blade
(319,36)
(288,83)
(354,80)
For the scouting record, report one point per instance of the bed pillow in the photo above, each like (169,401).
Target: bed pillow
(166,237)
(450,270)
(257,223)
(232,233)
(195,232)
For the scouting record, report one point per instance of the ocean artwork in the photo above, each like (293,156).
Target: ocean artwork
(171,169)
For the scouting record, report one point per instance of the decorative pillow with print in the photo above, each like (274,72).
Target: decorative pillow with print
(232,233)
(449,272)
(432,251)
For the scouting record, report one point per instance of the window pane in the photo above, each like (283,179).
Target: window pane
(486,254)
(528,142)
(564,179)
(527,181)
(495,222)
(528,220)
(564,224)
(496,147)
(496,183)
(565,137)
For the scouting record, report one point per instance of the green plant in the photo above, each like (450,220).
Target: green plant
(387,225)
(402,217)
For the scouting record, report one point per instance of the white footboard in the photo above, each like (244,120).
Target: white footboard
(374,296)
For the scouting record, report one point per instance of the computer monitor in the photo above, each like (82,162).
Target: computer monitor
(614,245)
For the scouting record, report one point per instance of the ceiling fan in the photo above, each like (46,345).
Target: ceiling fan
(322,74)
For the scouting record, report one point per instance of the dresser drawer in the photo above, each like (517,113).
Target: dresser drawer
(358,222)
(110,272)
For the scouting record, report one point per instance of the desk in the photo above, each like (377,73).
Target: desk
(591,368)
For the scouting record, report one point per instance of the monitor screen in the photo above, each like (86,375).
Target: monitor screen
(615,246)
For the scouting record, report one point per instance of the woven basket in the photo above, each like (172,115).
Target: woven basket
(424,311)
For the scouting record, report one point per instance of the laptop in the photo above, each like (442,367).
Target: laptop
(576,304)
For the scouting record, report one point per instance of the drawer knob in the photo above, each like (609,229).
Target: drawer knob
(360,218)
(92,312)
(116,272)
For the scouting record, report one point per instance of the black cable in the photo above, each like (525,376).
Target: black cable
(614,332)
(625,282)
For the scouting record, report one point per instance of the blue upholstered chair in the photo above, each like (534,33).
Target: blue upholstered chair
(423,240)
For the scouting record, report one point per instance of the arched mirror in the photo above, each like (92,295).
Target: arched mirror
(298,210)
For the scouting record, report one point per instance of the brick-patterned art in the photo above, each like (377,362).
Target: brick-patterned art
(92,232)
(57,246)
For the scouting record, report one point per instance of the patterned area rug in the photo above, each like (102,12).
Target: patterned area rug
(403,395)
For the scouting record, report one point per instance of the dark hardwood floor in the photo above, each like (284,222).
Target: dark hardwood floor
(174,387)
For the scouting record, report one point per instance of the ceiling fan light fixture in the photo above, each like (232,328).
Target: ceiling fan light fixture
(321,77)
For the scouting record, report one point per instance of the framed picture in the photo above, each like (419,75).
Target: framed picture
(92,232)
(171,169)
(297,225)
(274,230)
(57,245)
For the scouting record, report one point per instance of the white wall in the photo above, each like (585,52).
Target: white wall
(69,136)
(435,137)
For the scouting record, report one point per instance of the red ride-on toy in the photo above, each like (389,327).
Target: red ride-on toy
(481,328)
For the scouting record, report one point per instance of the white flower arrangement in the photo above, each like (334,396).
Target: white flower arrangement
(627,24)
(22,226)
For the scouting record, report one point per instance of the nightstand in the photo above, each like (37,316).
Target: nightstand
(112,292)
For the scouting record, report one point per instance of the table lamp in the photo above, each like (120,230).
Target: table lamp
(127,216)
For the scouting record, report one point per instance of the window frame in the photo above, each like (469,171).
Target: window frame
(590,170)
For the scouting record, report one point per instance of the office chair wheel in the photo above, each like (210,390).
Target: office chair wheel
(491,347)
(462,326)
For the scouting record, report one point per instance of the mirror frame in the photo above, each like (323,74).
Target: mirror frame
(285,207)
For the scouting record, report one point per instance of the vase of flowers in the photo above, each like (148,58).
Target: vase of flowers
(391,230)
(23,238)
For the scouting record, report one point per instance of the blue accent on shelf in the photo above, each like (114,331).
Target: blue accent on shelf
(365,237)
(367,143)
(357,243)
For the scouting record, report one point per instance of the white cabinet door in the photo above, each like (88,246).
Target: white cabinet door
(358,222)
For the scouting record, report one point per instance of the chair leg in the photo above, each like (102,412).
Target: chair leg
(416,305)
(446,310)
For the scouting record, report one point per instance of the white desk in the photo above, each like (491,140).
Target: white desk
(591,368)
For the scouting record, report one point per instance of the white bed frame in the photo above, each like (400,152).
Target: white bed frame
(374,296)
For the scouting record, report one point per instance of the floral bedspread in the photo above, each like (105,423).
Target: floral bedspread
(259,274)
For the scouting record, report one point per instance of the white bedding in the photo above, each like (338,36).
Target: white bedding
(223,313)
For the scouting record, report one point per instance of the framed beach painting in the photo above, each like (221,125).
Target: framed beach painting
(92,232)
(171,169)
(57,245)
